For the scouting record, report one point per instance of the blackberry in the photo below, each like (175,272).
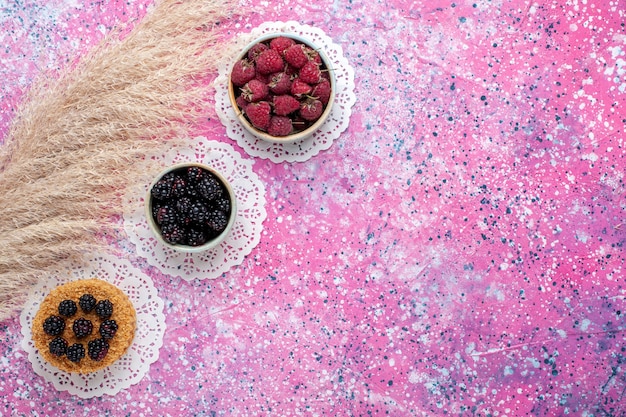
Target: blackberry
(192,192)
(156,205)
(108,328)
(76,352)
(169,177)
(162,189)
(195,237)
(172,233)
(54,325)
(183,206)
(209,188)
(67,308)
(165,215)
(104,309)
(222,204)
(87,302)
(58,346)
(217,221)
(194,175)
(82,327)
(97,349)
(179,186)
(198,213)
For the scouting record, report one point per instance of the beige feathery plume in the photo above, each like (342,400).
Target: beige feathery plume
(80,138)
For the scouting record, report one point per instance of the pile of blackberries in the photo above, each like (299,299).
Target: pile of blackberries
(190,206)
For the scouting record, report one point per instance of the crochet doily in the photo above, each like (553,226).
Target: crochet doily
(322,139)
(244,236)
(144,350)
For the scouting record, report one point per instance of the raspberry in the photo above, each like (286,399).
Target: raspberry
(285,104)
(241,103)
(301,123)
(87,302)
(281,43)
(104,309)
(54,325)
(259,114)
(254,90)
(264,78)
(322,91)
(295,56)
(108,328)
(291,71)
(76,352)
(311,109)
(280,83)
(310,73)
(280,126)
(243,71)
(82,327)
(67,308)
(97,349)
(269,61)
(255,50)
(58,346)
(312,55)
(299,88)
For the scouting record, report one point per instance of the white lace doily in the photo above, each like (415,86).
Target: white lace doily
(322,139)
(144,350)
(244,236)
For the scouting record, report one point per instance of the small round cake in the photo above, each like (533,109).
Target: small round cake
(84,325)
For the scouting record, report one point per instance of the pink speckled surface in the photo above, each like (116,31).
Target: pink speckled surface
(459,250)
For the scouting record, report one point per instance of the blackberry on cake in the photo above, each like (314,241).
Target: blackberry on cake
(67,308)
(54,325)
(82,327)
(58,346)
(86,342)
(97,349)
(104,309)
(87,302)
(108,328)
(76,352)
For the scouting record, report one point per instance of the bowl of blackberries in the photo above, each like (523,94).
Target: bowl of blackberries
(282,88)
(190,207)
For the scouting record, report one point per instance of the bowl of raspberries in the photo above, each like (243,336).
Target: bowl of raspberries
(190,207)
(282,88)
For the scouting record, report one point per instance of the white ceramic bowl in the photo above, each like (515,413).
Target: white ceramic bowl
(232,94)
(156,230)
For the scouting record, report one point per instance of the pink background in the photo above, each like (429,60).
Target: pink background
(459,250)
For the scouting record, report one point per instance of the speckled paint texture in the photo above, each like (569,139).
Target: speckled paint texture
(459,250)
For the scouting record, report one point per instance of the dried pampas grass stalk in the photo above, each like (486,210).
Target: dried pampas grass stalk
(81,137)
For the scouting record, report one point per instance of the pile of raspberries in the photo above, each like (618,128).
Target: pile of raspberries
(281,85)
